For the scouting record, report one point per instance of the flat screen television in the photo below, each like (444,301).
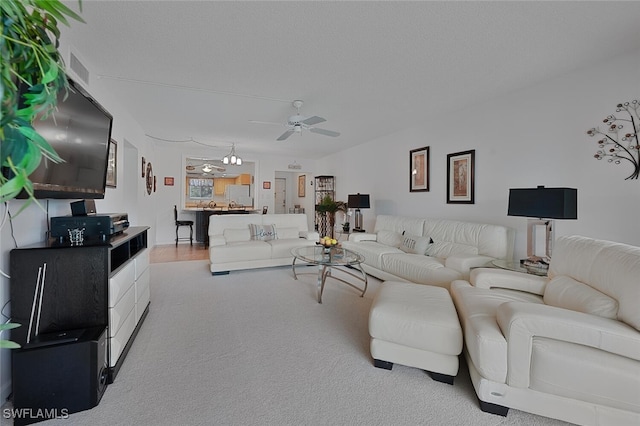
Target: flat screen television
(79,130)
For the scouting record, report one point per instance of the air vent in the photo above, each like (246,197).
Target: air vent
(78,68)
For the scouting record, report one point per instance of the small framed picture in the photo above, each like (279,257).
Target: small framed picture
(302,181)
(144,164)
(168,181)
(266,185)
(112,165)
(460,177)
(419,169)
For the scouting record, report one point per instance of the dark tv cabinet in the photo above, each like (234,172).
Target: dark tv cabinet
(97,284)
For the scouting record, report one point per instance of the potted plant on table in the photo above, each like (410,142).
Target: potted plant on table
(329,207)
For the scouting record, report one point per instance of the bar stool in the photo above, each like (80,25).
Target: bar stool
(180,223)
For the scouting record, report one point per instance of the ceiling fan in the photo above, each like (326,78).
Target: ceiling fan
(206,168)
(297,123)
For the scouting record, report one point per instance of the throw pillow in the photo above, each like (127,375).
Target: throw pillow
(565,292)
(389,238)
(414,244)
(263,232)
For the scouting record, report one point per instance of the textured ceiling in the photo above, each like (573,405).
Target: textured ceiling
(203,70)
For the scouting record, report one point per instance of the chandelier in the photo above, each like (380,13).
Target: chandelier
(232,158)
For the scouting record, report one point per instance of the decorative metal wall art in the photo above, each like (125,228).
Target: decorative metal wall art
(619,142)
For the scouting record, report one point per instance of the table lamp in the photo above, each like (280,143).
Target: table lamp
(358,201)
(543,204)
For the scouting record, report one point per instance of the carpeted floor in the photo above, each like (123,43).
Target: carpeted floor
(255,348)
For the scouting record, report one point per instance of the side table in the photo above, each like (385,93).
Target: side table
(517,267)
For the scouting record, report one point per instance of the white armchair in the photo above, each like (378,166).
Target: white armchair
(565,346)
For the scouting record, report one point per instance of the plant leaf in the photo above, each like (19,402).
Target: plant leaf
(8,344)
(9,326)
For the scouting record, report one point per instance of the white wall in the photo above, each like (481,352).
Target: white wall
(535,136)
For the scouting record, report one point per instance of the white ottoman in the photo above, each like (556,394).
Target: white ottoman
(415,325)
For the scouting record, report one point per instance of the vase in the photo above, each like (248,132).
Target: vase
(326,253)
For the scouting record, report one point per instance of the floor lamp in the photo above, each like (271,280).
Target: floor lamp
(358,201)
(541,205)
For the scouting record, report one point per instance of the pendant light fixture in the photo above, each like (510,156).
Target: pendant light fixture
(232,158)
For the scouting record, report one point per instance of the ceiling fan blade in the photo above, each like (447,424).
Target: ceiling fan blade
(285,135)
(265,122)
(313,120)
(324,132)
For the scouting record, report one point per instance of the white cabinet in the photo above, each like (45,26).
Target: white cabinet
(129,296)
(142,291)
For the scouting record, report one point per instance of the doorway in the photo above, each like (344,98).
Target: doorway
(280,196)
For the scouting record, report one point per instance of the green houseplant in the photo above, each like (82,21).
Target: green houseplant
(329,207)
(29,37)
(8,343)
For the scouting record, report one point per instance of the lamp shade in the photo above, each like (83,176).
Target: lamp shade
(358,201)
(541,202)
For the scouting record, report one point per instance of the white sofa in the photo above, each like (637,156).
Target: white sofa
(232,246)
(566,346)
(429,251)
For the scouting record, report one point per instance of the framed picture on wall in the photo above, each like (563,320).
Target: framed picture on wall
(168,181)
(419,169)
(302,181)
(266,185)
(112,165)
(460,177)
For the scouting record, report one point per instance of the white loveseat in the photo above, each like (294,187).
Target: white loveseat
(232,245)
(566,346)
(429,251)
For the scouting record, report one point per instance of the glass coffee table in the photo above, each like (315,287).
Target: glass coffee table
(328,260)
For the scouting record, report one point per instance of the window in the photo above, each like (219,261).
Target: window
(200,189)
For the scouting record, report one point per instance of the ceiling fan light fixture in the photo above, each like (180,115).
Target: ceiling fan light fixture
(206,168)
(225,160)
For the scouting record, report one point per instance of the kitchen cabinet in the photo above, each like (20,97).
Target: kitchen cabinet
(243,179)
(220,185)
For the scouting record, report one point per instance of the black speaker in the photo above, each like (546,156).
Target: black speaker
(59,374)
(83,207)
